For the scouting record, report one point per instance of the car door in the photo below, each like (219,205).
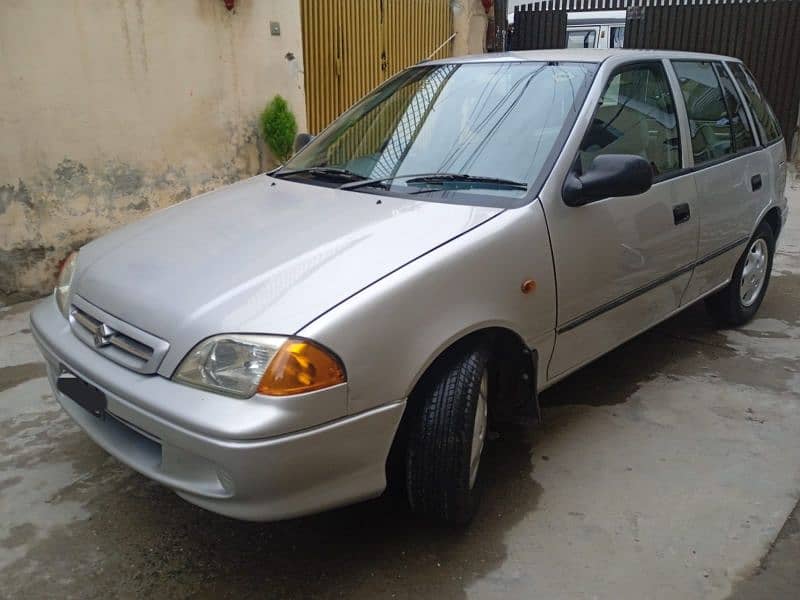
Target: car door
(623,263)
(772,145)
(730,174)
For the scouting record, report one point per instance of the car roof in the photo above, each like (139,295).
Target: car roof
(594,55)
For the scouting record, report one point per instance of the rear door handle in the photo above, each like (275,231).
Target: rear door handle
(681,213)
(755,182)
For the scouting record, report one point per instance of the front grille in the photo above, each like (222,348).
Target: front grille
(103,335)
(116,339)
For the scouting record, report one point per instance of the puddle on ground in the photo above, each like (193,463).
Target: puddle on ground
(16,341)
(43,455)
(140,539)
(17,374)
(19,308)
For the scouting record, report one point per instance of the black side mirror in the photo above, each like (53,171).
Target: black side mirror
(301,140)
(609,175)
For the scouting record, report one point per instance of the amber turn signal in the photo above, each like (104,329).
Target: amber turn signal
(301,366)
(528,286)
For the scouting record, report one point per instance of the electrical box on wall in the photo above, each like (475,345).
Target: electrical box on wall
(274,28)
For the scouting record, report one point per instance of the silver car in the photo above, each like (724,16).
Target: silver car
(469,233)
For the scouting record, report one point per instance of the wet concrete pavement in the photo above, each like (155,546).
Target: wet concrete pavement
(667,469)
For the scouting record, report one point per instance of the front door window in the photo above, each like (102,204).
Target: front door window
(636,115)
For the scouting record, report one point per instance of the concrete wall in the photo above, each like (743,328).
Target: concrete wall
(111,109)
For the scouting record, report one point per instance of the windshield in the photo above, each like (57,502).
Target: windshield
(500,123)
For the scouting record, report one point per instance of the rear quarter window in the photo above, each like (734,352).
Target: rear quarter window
(766,122)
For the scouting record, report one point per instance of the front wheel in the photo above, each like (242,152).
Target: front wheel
(738,302)
(447,436)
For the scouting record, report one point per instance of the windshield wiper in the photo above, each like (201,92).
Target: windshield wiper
(440,178)
(325,172)
(435,178)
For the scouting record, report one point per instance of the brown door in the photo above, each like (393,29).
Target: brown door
(352,46)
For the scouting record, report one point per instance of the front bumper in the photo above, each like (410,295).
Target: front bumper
(332,464)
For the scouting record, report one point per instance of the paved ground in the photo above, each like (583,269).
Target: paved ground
(668,469)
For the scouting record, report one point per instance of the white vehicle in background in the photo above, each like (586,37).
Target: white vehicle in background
(596,29)
(593,29)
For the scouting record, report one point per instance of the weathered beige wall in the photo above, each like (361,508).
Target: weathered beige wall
(111,109)
(469,25)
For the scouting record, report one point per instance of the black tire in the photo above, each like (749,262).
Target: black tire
(726,306)
(440,438)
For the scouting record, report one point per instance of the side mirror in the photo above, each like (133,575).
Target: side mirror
(301,140)
(609,175)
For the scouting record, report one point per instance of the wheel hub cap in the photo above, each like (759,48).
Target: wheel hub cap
(754,272)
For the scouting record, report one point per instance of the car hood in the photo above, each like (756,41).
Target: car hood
(263,255)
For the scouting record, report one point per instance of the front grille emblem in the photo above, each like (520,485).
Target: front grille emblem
(115,339)
(103,335)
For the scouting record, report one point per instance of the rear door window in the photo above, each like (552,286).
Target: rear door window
(636,115)
(768,126)
(709,121)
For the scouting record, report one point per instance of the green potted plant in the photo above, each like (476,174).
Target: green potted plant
(279,128)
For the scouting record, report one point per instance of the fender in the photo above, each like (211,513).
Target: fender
(391,332)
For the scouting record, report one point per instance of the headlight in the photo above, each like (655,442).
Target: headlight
(64,283)
(241,365)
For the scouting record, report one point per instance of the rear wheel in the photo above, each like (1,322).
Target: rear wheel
(447,436)
(738,302)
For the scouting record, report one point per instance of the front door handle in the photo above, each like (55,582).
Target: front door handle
(681,213)
(755,182)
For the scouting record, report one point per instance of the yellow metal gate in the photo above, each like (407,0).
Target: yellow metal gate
(351,46)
